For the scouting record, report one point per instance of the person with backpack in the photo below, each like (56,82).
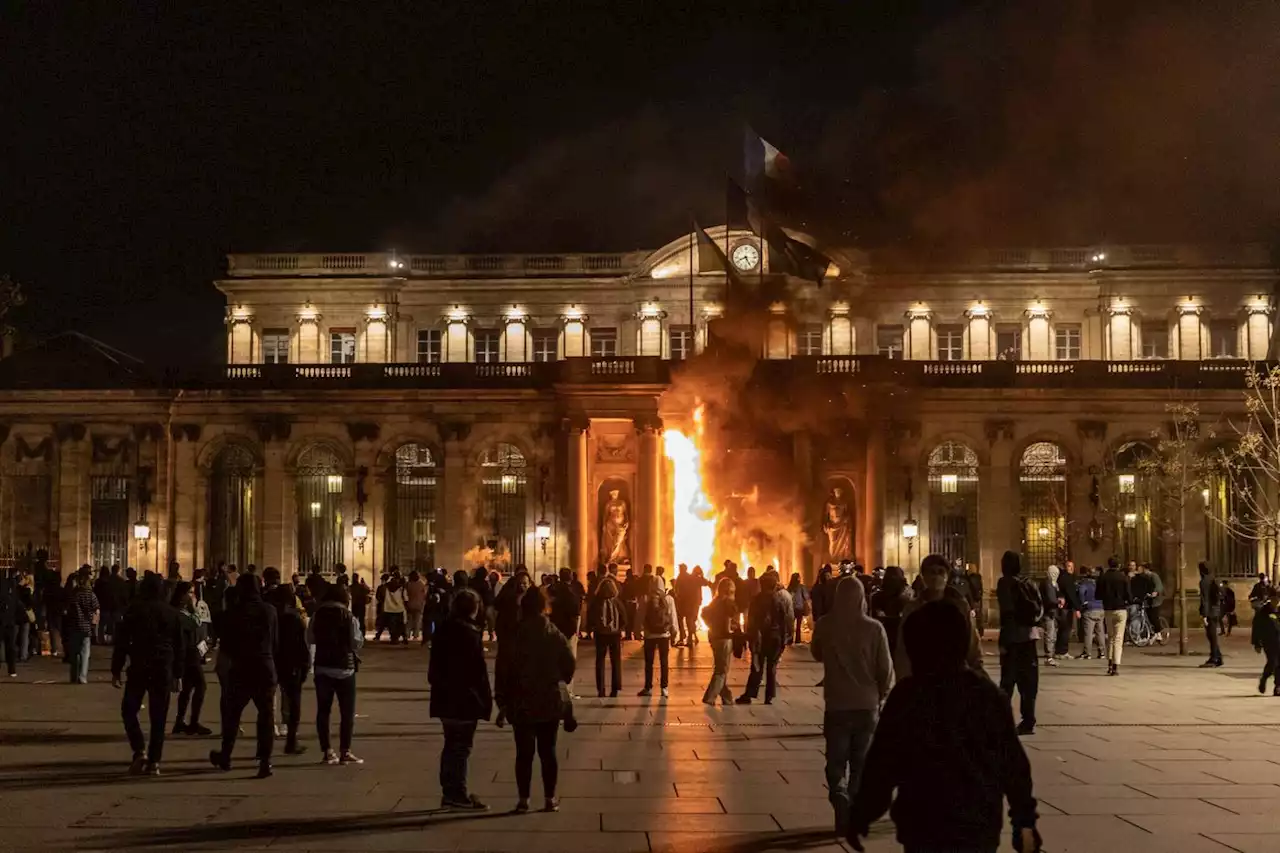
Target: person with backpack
(1115,592)
(607,619)
(800,599)
(1021,609)
(659,624)
(770,623)
(1211,613)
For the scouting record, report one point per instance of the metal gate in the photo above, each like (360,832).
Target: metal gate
(1230,555)
(953,502)
(232,508)
(25,512)
(1042,481)
(319,494)
(109,520)
(502,500)
(411,510)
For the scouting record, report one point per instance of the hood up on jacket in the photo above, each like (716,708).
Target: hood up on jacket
(1053,574)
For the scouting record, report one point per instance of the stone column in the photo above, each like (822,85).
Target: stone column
(1189,332)
(1119,340)
(453,530)
(185,497)
(72,497)
(578,496)
(1038,345)
(649,488)
(998,509)
(979,332)
(1080,511)
(1257,330)
(871,549)
(919,343)
(802,461)
(277,525)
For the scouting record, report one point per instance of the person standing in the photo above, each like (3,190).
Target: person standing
(1229,619)
(1095,631)
(566,608)
(688,596)
(293,660)
(251,638)
(460,697)
(393,610)
(1260,594)
(533,697)
(1021,610)
(800,603)
(150,638)
(935,586)
(9,616)
(887,605)
(1115,592)
(338,637)
(1069,613)
(191,694)
(508,624)
(606,620)
(977,597)
(659,624)
(360,603)
(82,614)
(1211,613)
(1051,596)
(415,604)
(1266,639)
(721,619)
(770,623)
(857,671)
(55,607)
(822,596)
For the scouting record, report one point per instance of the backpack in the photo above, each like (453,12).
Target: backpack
(1028,606)
(610,619)
(657,619)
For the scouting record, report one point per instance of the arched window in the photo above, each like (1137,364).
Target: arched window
(1042,486)
(411,509)
(502,500)
(319,493)
(1232,526)
(1137,505)
(953,502)
(232,508)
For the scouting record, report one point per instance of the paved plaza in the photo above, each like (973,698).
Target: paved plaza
(1166,758)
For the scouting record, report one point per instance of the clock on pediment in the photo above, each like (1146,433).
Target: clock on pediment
(745,256)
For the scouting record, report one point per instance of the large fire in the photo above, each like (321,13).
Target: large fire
(693,532)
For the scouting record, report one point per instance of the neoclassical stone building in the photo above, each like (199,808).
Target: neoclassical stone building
(385,408)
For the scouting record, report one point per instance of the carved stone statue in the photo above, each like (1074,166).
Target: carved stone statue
(614,544)
(836,524)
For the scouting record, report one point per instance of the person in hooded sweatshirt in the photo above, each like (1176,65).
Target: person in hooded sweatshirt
(946,744)
(293,661)
(460,697)
(1021,610)
(150,638)
(934,586)
(193,683)
(250,641)
(857,671)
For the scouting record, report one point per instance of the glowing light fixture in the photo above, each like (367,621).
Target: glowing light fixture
(1130,519)
(950,484)
(978,310)
(142,533)
(377,312)
(1126,483)
(515,312)
(910,529)
(308,313)
(508,484)
(360,532)
(1043,531)
(457,314)
(1189,306)
(334,482)
(573,313)
(1204,496)
(315,509)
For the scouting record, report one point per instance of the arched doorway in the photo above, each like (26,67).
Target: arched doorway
(232,507)
(1042,486)
(1136,497)
(953,502)
(319,486)
(411,508)
(503,486)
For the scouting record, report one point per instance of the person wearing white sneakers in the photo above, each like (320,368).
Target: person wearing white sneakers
(659,610)
(338,638)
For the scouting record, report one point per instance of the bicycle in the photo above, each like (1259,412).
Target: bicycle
(1140,631)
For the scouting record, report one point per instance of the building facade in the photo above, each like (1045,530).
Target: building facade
(383,409)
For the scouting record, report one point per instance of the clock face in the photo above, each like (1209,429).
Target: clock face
(746,256)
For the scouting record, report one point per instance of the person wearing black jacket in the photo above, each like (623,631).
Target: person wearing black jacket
(1210,612)
(1266,639)
(1069,614)
(924,744)
(293,660)
(770,627)
(1115,593)
(977,598)
(150,638)
(193,683)
(460,697)
(250,639)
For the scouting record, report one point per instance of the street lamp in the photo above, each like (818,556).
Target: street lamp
(910,530)
(543,531)
(359,532)
(142,533)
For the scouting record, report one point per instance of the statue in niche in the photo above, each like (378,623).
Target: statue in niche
(614,544)
(836,524)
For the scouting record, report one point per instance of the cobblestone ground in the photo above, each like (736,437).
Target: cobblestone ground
(1166,758)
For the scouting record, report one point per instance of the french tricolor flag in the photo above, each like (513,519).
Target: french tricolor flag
(762,159)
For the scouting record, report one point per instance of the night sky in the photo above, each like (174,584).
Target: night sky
(137,147)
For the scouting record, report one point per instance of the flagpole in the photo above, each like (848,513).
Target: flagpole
(693,324)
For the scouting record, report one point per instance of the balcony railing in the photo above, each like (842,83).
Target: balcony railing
(384,264)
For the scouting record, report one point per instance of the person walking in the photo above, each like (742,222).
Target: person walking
(191,693)
(150,638)
(888,604)
(393,610)
(822,596)
(1021,611)
(82,614)
(533,697)
(857,669)
(721,619)
(10,613)
(1266,639)
(800,604)
(935,585)
(415,604)
(566,608)
(607,619)
(1069,612)
(337,636)
(659,624)
(250,641)
(687,589)
(1211,613)
(770,623)
(1116,594)
(1051,596)
(947,726)
(1091,614)
(977,598)
(460,697)
(359,595)
(293,660)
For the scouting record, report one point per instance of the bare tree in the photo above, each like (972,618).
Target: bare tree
(1251,468)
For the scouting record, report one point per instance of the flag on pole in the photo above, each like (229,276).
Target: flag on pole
(712,259)
(740,210)
(794,257)
(762,159)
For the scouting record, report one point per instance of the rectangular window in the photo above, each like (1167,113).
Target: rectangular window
(1008,343)
(950,343)
(342,346)
(486,346)
(1066,338)
(275,346)
(889,341)
(429,346)
(544,345)
(1155,342)
(680,339)
(810,339)
(1224,339)
(604,342)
